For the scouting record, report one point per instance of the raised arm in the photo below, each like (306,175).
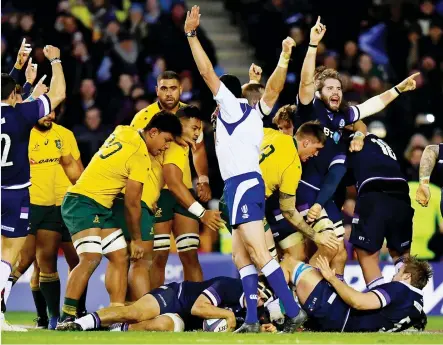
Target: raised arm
(57,88)
(427,164)
(353,298)
(22,57)
(201,59)
(276,81)
(306,90)
(378,103)
(288,210)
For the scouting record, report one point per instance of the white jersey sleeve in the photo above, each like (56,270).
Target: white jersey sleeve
(229,108)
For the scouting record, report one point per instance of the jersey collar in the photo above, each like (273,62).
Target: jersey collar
(413,288)
(5,104)
(295,143)
(243,100)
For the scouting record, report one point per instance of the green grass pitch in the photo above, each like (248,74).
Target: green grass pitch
(433,335)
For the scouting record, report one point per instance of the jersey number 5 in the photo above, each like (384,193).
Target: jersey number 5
(6,147)
(266,152)
(110,148)
(385,148)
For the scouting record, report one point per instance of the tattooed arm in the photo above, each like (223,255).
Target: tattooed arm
(427,164)
(288,210)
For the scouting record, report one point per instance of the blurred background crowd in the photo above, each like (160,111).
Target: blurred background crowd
(113,50)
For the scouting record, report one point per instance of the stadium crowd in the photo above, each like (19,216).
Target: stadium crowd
(117,59)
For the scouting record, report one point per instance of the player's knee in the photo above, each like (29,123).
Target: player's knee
(258,256)
(113,243)
(187,242)
(89,261)
(189,258)
(160,258)
(173,322)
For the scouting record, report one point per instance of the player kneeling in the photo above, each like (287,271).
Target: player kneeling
(174,306)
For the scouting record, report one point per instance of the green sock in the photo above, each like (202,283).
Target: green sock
(81,309)
(39,301)
(69,308)
(50,288)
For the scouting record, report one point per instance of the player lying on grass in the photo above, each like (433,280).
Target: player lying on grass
(178,307)
(333,306)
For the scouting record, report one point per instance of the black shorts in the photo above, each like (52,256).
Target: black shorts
(45,218)
(380,215)
(167,297)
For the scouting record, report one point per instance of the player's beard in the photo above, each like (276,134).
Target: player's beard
(167,107)
(43,128)
(327,103)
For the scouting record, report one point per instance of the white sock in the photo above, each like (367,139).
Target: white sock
(376,282)
(8,289)
(5,271)
(87,322)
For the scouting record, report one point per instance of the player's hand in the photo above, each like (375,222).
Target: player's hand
(408,84)
(192,19)
(325,269)
(204,192)
(326,238)
(255,73)
(136,249)
(287,45)
(39,88)
(51,52)
(314,212)
(317,32)
(357,144)
(423,195)
(23,54)
(31,72)
(268,328)
(212,219)
(185,142)
(232,322)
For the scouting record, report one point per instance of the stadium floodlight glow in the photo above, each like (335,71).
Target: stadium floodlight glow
(430,118)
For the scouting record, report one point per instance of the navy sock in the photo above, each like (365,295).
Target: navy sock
(276,280)
(249,279)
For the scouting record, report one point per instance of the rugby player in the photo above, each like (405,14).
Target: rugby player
(383,208)
(168,92)
(239,135)
(333,306)
(123,161)
(174,306)
(17,121)
(432,155)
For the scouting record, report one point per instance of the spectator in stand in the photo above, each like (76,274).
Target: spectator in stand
(188,92)
(158,68)
(122,102)
(432,45)
(349,61)
(135,25)
(153,11)
(91,135)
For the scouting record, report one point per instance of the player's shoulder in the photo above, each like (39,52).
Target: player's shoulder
(61,131)
(128,135)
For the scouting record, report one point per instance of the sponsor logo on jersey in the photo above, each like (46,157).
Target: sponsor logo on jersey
(342,123)
(58,144)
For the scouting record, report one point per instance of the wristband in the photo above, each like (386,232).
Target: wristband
(283,62)
(313,45)
(359,134)
(203,179)
(196,209)
(253,82)
(57,60)
(397,90)
(191,33)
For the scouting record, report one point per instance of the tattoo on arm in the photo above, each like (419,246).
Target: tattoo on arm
(287,207)
(428,159)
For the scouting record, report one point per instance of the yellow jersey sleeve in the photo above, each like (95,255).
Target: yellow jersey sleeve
(153,184)
(137,167)
(179,156)
(72,142)
(291,177)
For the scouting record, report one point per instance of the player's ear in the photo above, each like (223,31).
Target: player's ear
(407,276)
(153,132)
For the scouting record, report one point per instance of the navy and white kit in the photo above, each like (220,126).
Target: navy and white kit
(16,125)
(401,306)
(383,207)
(178,298)
(239,135)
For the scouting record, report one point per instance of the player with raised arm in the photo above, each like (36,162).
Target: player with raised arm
(383,208)
(239,136)
(432,155)
(17,121)
(123,161)
(174,307)
(329,108)
(334,306)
